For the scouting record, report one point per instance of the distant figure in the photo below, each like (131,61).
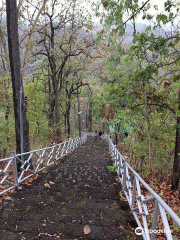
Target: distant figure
(100,134)
(95,135)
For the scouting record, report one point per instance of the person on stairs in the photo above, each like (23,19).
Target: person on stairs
(100,134)
(95,135)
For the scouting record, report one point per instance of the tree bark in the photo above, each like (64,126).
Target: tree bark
(176,166)
(75,120)
(52,61)
(116,134)
(87,119)
(79,114)
(65,124)
(90,116)
(149,132)
(68,121)
(51,105)
(57,116)
(14,57)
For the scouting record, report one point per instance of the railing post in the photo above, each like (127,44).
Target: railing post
(33,163)
(109,146)
(15,173)
(54,153)
(68,146)
(119,165)
(124,173)
(63,149)
(126,159)
(71,145)
(75,144)
(155,220)
(114,155)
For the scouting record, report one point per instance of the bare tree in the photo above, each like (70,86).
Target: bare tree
(59,44)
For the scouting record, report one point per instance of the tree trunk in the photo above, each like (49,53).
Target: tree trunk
(52,62)
(116,134)
(150,142)
(90,116)
(51,105)
(75,120)
(14,57)
(79,114)
(57,116)
(68,121)
(87,118)
(149,133)
(176,166)
(65,124)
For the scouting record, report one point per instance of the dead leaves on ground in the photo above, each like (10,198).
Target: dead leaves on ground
(86,229)
(51,183)
(122,196)
(56,236)
(48,184)
(8,198)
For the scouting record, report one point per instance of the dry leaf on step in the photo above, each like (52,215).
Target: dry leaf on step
(8,198)
(87,229)
(51,183)
(47,185)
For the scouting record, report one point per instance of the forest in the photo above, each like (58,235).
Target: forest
(67,65)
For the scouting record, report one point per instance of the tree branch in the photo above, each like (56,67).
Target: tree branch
(134,14)
(163,105)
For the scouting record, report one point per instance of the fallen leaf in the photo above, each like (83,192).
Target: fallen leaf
(175,208)
(8,198)
(122,196)
(47,185)
(51,183)
(87,229)
(121,227)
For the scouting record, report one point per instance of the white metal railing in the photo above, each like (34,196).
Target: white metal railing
(33,162)
(151,213)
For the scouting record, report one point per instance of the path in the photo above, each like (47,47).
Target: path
(84,193)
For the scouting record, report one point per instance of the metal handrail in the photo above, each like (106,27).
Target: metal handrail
(33,162)
(131,185)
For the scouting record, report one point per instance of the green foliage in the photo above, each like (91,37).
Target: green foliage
(7,135)
(144,82)
(112,168)
(37,111)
